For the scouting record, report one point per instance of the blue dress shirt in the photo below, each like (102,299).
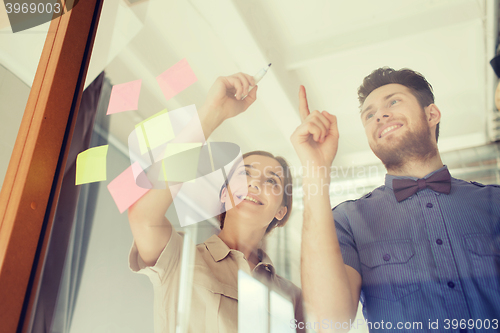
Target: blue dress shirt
(432,259)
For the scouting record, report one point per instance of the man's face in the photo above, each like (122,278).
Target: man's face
(396,125)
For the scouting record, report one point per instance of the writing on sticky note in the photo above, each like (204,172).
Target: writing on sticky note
(124,97)
(176,79)
(125,188)
(91,165)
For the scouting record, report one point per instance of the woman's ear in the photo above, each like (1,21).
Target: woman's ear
(281,213)
(223,195)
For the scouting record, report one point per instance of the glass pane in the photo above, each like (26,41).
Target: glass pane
(160,57)
(253,306)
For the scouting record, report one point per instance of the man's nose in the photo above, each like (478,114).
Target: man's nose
(383,116)
(382,113)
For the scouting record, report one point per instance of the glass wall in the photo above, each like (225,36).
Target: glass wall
(160,58)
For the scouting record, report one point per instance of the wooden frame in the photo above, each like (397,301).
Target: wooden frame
(32,183)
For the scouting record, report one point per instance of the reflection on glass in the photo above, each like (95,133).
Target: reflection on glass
(325,45)
(186,280)
(281,310)
(19,56)
(252,305)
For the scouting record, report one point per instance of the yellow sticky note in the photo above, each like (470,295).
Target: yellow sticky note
(176,148)
(163,175)
(91,165)
(154,131)
(180,167)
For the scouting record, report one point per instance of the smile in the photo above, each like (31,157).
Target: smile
(389,129)
(248,198)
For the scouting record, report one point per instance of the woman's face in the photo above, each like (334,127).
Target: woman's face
(260,198)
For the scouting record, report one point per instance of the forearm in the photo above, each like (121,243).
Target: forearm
(325,282)
(152,207)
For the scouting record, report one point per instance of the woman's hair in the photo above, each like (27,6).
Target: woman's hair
(287,190)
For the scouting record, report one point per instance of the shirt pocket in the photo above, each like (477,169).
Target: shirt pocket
(388,269)
(216,301)
(484,255)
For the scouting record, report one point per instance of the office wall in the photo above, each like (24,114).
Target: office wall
(13,97)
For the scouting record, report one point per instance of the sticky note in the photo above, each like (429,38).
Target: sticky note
(186,118)
(124,97)
(176,148)
(180,162)
(176,79)
(124,188)
(154,131)
(200,200)
(91,165)
(189,178)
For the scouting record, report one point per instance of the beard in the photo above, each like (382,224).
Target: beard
(414,145)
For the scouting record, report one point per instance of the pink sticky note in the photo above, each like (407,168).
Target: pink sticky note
(176,79)
(124,189)
(124,97)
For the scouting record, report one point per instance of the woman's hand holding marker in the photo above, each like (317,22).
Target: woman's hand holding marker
(224,98)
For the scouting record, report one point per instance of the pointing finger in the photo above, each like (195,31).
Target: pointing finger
(303,107)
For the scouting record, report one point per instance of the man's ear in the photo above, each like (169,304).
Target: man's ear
(432,114)
(281,213)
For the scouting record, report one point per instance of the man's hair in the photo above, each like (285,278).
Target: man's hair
(287,190)
(416,82)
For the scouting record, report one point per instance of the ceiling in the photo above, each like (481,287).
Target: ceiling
(328,46)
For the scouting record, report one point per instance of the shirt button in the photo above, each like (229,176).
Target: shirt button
(387,257)
(451,284)
(439,241)
(429,205)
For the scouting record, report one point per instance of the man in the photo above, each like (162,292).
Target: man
(422,250)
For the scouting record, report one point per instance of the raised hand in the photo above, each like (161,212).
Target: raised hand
(316,139)
(224,99)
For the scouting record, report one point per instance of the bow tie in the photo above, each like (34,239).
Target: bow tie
(439,182)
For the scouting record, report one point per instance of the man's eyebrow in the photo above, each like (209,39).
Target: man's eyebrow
(361,112)
(249,166)
(385,99)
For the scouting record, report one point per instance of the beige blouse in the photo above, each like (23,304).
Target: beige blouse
(214,304)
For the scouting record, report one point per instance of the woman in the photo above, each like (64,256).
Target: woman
(263,205)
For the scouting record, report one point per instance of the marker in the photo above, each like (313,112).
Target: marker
(257,77)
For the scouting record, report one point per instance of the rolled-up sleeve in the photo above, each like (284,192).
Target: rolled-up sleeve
(345,236)
(168,262)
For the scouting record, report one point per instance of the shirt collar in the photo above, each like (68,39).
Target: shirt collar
(390,178)
(265,262)
(219,250)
